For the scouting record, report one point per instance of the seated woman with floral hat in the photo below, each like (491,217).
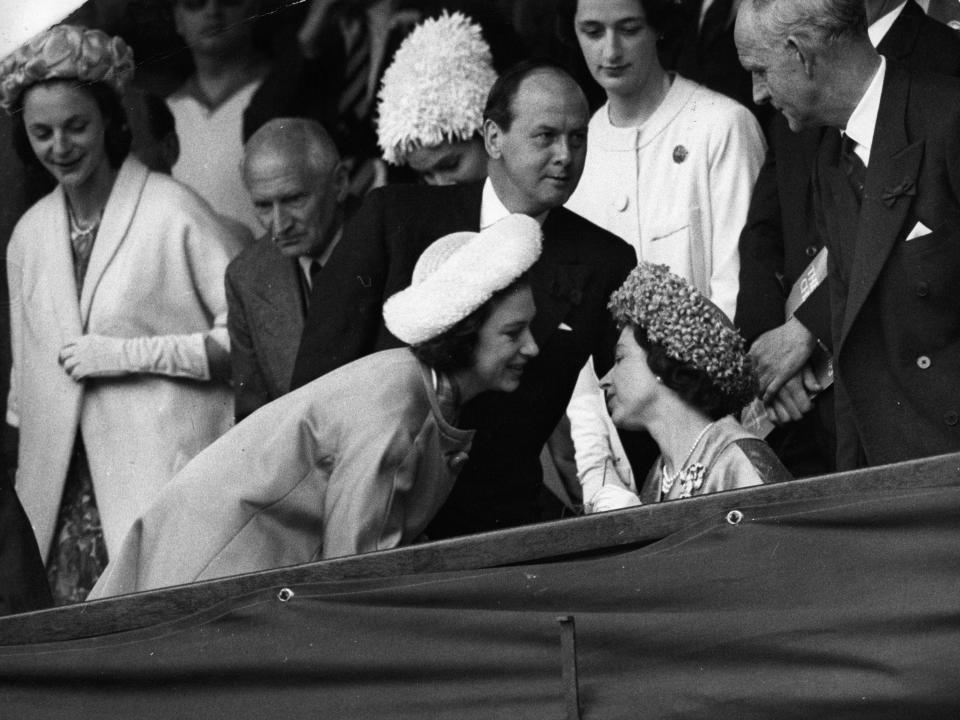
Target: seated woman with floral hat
(362,458)
(680,373)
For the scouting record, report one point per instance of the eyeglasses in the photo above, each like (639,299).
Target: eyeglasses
(197,5)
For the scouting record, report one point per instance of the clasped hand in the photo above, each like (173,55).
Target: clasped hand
(780,354)
(93,356)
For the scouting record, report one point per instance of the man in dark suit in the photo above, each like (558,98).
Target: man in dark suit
(779,242)
(885,199)
(535,135)
(297,184)
(701,48)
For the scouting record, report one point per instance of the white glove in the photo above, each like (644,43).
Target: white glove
(612,497)
(99,356)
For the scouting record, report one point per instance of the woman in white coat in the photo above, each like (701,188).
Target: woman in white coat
(118,313)
(670,168)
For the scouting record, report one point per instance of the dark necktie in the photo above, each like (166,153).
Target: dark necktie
(853,166)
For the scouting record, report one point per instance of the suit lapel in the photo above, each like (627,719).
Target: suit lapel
(888,193)
(117,216)
(277,302)
(559,279)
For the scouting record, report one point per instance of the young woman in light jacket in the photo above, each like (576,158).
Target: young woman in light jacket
(670,168)
(117,310)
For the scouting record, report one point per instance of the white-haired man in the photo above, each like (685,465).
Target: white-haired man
(297,186)
(887,204)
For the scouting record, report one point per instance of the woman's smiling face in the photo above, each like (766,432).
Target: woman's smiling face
(505,344)
(66,131)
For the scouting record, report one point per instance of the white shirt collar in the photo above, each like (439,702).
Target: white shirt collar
(882,25)
(492,208)
(863,120)
(307,260)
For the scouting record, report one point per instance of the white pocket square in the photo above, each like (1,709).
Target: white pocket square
(918,230)
(564,326)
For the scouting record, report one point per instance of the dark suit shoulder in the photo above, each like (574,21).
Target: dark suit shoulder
(918,41)
(938,48)
(415,195)
(933,102)
(576,228)
(254,258)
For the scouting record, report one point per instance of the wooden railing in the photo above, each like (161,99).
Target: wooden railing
(529,544)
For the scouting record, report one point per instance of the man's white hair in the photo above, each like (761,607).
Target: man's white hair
(818,22)
(299,138)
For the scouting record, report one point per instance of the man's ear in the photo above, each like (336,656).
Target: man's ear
(803,53)
(492,139)
(341,182)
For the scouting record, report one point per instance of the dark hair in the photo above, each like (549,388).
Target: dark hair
(666,17)
(117,136)
(691,384)
(499,107)
(454,349)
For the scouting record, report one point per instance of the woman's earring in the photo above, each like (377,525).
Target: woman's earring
(659,379)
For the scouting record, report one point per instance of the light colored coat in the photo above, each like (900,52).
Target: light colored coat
(156,269)
(677,189)
(358,460)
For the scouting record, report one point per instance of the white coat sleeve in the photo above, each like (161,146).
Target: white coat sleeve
(15,288)
(736,154)
(600,457)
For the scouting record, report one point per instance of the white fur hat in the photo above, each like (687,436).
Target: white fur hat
(435,88)
(458,273)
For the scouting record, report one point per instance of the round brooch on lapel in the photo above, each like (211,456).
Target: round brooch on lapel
(679,154)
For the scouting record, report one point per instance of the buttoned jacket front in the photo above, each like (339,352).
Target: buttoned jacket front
(678,188)
(895,318)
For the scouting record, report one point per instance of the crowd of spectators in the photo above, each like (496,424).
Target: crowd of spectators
(290,282)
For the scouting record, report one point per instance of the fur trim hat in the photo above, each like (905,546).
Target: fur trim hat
(458,273)
(435,88)
(67,52)
(692,330)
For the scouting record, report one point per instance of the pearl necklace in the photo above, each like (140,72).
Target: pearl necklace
(666,479)
(77,228)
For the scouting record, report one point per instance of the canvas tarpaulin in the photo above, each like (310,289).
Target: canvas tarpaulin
(837,608)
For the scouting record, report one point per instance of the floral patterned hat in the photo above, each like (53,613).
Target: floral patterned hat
(435,88)
(68,52)
(692,330)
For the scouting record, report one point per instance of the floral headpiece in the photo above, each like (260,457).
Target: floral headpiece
(690,328)
(435,88)
(68,52)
